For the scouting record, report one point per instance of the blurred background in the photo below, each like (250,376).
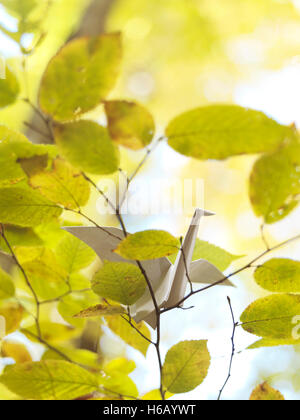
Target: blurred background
(180,54)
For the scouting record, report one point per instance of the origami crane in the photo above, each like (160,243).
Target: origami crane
(169,281)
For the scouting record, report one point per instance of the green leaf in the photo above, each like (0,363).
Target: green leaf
(7,288)
(79,356)
(47,277)
(186,366)
(88,147)
(275,183)
(117,379)
(128,334)
(51,332)
(120,365)
(129,124)
(19,206)
(14,150)
(6,395)
(45,267)
(73,254)
(272,317)
(80,76)
(49,380)
(20,7)
(119,383)
(100,310)
(30,253)
(119,281)
(19,236)
(13,314)
(156,395)
(148,245)
(74,303)
(265,392)
(211,253)
(222,131)
(269,342)
(79,281)
(9,141)
(279,275)
(63,185)
(9,89)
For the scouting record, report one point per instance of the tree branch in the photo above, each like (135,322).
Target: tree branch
(94,20)
(235,324)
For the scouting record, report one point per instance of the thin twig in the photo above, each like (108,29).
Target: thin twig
(79,212)
(120,395)
(233,349)
(263,236)
(48,345)
(47,121)
(129,321)
(137,170)
(125,176)
(2,232)
(108,201)
(58,298)
(36,110)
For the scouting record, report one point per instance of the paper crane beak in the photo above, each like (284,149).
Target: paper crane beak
(202,212)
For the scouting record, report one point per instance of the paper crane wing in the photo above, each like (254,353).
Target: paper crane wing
(102,240)
(201,271)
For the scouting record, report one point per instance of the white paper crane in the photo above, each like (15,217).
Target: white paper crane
(169,281)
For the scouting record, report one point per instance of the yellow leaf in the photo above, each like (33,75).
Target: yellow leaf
(265,392)
(129,124)
(13,314)
(16,351)
(120,327)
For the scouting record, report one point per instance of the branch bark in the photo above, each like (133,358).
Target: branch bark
(94,20)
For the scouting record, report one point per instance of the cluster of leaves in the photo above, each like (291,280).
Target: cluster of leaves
(222,131)
(40,185)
